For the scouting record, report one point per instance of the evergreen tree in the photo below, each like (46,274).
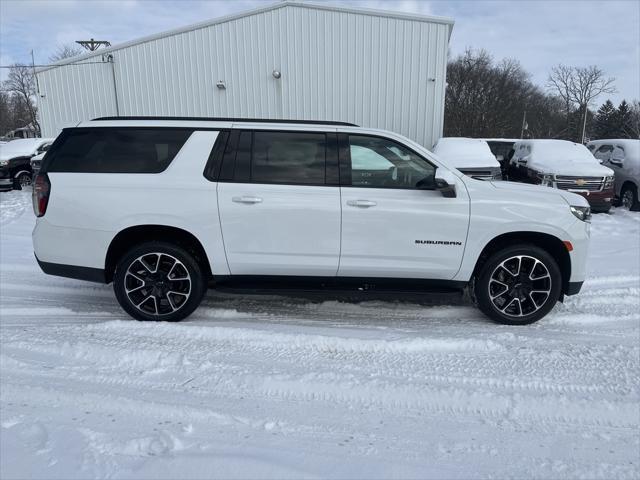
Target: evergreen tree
(623,121)
(604,122)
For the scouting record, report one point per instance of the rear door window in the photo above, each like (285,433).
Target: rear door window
(117,150)
(296,158)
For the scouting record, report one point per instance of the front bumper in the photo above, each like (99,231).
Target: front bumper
(598,201)
(6,181)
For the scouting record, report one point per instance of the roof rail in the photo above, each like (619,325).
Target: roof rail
(225,119)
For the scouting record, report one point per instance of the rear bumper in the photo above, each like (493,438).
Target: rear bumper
(73,271)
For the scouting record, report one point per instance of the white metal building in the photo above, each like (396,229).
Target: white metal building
(288,60)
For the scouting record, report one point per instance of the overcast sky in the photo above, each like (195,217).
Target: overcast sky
(538,33)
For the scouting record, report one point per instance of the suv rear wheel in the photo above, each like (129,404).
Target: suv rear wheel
(158,281)
(518,285)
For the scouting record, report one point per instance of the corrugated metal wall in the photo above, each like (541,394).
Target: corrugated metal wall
(374,71)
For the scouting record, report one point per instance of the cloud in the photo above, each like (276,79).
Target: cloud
(540,33)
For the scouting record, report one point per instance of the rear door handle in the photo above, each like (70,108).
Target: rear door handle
(361,203)
(246,199)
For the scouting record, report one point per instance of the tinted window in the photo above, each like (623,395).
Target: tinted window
(605,148)
(382,163)
(117,150)
(288,157)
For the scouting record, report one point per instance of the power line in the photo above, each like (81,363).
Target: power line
(52,65)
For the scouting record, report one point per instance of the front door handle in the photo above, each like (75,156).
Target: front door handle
(247,199)
(361,203)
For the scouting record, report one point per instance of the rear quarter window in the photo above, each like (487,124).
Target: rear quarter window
(116,150)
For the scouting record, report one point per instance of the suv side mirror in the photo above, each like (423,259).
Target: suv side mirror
(616,161)
(446,183)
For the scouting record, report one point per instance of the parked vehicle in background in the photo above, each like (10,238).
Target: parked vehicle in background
(471,156)
(623,157)
(502,149)
(15,157)
(564,165)
(166,206)
(36,160)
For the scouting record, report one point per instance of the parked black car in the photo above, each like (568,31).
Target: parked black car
(15,161)
(502,149)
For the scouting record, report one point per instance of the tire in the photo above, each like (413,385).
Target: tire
(22,181)
(629,197)
(144,290)
(522,302)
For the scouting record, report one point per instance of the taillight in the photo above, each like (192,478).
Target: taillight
(41,191)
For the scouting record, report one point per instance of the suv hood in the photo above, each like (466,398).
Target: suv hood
(572,168)
(544,192)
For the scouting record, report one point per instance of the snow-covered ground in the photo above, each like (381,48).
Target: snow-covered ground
(280,387)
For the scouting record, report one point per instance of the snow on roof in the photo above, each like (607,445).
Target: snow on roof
(465,152)
(558,149)
(560,157)
(631,146)
(22,147)
(506,140)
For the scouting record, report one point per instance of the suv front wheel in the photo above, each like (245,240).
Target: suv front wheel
(518,285)
(629,197)
(158,281)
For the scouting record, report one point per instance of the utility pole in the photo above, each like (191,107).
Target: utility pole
(33,68)
(92,45)
(584,124)
(525,126)
(36,124)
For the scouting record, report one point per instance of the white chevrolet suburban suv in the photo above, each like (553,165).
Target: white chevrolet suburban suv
(164,207)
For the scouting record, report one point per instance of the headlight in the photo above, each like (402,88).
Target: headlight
(4,163)
(608,182)
(582,213)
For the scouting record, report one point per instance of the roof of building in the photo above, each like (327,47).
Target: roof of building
(229,18)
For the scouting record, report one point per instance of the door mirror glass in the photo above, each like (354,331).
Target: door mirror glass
(427,183)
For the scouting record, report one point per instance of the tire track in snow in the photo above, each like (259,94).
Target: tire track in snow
(397,374)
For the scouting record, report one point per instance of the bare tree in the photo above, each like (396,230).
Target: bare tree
(65,51)
(488,99)
(21,83)
(580,86)
(560,82)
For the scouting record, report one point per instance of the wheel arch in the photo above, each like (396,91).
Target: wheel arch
(550,243)
(628,183)
(135,235)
